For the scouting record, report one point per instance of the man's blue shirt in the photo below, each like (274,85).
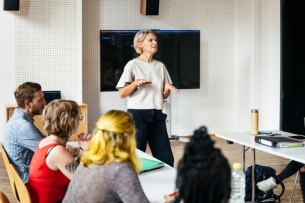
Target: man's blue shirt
(20,139)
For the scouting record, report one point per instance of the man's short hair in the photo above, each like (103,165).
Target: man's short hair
(25,92)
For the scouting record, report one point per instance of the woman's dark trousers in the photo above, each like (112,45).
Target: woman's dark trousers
(151,129)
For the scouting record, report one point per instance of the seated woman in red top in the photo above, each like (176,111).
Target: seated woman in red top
(52,165)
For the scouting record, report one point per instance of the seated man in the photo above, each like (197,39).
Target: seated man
(20,137)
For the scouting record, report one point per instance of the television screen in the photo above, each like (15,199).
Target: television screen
(51,95)
(179,50)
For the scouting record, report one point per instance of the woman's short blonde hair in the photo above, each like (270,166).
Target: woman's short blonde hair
(140,36)
(59,118)
(113,140)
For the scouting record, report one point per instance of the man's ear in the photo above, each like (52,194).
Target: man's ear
(27,104)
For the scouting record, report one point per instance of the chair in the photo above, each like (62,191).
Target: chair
(22,190)
(9,171)
(3,198)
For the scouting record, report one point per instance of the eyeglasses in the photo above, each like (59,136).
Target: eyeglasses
(81,116)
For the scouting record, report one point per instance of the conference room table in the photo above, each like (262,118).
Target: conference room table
(248,140)
(159,182)
(155,183)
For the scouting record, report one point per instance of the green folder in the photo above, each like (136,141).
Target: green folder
(148,165)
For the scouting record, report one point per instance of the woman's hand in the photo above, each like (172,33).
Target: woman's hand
(130,88)
(70,148)
(140,82)
(169,198)
(84,140)
(169,87)
(167,90)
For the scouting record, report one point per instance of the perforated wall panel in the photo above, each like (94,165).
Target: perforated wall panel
(46,45)
(212,104)
(244,53)
(251,64)
(262,79)
(264,66)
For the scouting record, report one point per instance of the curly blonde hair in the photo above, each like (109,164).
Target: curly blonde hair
(113,140)
(59,118)
(140,36)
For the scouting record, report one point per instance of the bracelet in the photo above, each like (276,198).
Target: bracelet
(81,148)
(138,87)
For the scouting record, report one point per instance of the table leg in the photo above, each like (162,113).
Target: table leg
(295,183)
(243,158)
(253,177)
(253,172)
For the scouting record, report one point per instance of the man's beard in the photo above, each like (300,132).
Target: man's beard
(36,112)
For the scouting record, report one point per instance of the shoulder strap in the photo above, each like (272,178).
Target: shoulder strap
(283,190)
(50,149)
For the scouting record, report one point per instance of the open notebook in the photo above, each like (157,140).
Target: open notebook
(148,165)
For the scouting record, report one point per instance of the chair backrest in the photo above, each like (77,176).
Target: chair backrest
(22,190)
(3,198)
(9,171)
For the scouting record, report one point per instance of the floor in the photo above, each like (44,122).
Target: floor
(232,152)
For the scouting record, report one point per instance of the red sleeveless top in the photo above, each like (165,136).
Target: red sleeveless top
(45,185)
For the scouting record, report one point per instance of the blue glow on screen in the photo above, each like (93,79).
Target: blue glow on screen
(156,31)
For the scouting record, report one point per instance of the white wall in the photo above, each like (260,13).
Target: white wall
(240,56)
(274,52)
(212,104)
(7,63)
(257,63)
(48,45)
(42,42)
(240,67)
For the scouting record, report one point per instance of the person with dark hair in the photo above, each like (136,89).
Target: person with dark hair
(204,174)
(20,136)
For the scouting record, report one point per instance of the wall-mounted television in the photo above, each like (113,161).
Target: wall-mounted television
(179,50)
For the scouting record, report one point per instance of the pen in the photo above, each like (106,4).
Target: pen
(275,134)
(174,193)
(264,132)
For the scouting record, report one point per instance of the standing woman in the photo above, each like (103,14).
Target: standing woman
(147,83)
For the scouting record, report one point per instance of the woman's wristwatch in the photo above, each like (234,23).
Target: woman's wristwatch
(138,87)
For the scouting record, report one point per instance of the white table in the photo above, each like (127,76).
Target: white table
(159,182)
(246,139)
(156,183)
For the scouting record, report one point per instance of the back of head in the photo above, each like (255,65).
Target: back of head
(204,174)
(113,140)
(60,118)
(25,92)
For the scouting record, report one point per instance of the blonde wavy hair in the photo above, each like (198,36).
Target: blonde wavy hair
(113,140)
(140,37)
(59,118)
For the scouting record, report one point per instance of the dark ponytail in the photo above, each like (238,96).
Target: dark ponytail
(204,174)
